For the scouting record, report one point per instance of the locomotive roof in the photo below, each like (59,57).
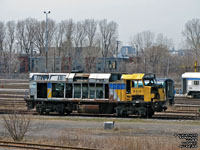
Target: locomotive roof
(99,75)
(137,76)
(191,75)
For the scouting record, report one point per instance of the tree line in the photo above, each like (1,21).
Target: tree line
(98,38)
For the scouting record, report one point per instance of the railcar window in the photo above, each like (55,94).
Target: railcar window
(85,90)
(54,78)
(45,77)
(196,82)
(77,90)
(41,90)
(128,86)
(62,78)
(92,91)
(136,83)
(99,91)
(68,93)
(106,91)
(58,77)
(58,90)
(140,84)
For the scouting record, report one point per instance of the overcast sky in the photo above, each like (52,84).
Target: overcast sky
(132,16)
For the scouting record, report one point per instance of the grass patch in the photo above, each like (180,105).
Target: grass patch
(111,142)
(119,120)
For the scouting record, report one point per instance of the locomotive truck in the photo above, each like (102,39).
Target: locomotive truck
(102,93)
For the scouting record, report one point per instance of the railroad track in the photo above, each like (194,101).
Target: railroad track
(168,115)
(187,100)
(34,146)
(11,98)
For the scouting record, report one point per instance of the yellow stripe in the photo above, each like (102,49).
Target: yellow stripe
(49,93)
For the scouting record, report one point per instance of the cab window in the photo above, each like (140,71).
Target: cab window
(137,83)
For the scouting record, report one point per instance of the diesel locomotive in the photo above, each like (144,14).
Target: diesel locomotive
(102,93)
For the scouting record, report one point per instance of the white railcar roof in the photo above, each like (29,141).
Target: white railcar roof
(99,76)
(56,74)
(191,75)
(32,74)
(70,76)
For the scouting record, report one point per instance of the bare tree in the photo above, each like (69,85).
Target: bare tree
(91,52)
(25,34)
(2,35)
(153,53)
(164,41)
(108,33)
(40,36)
(192,35)
(10,34)
(17,125)
(79,34)
(20,34)
(108,36)
(154,56)
(91,30)
(10,37)
(144,40)
(69,27)
(59,38)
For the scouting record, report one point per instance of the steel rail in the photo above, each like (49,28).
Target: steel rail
(39,146)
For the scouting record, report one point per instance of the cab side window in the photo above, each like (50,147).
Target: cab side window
(128,86)
(140,84)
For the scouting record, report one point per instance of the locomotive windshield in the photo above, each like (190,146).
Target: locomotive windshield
(149,80)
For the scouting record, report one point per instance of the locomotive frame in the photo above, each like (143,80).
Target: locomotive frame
(122,94)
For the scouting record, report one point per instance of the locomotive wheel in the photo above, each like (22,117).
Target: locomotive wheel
(147,114)
(60,109)
(61,112)
(42,111)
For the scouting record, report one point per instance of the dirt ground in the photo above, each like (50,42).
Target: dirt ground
(73,128)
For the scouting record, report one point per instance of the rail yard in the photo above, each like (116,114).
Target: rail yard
(13,92)
(183,115)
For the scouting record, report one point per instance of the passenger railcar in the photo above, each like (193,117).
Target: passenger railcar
(106,93)
(191,84)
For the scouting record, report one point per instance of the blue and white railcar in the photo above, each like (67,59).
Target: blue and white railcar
(191,84)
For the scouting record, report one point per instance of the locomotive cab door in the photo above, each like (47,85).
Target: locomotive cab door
(184,85)
(128,90)
(41,90)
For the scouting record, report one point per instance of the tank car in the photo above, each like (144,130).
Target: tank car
(105,93)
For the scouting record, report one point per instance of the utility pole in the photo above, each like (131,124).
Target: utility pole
(116,63)
(46,47)
(31,68)
(117,48)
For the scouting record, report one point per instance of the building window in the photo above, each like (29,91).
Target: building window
(112,65)
(196,82)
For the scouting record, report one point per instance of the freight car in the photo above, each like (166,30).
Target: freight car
(191,84)
(122,94)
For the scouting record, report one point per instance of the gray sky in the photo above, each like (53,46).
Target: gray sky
(159,16)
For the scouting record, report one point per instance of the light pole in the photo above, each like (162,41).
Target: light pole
(46,47)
